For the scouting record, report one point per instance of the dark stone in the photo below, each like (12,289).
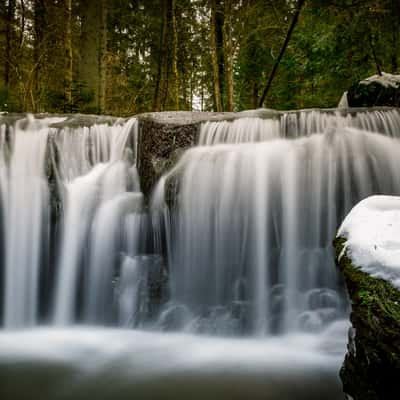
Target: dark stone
(157,285)
(372,364)
(157,143)
(372,95)
(162,138)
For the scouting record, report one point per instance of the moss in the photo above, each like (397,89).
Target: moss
(370,371)
(377,295)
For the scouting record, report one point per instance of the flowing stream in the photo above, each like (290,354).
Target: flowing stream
(224,287)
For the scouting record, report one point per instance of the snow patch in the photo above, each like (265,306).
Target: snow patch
(372,233)
(386,80)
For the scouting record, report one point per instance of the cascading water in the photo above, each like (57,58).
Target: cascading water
(99,205)
(97,201)
(25,207)
(251,224)
(243,223)
(261,125)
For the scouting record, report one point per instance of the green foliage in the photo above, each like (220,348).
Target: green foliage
(5,104)
(332,47)
(335,44)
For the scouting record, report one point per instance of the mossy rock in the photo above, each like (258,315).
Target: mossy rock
(373,94)
(372,363)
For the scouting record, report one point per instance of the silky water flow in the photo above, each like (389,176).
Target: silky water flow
(248,302)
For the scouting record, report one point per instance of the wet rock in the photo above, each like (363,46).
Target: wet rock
(157,284)
(158,141)
(162,138)
(377,90)
(174,317)
(372,363)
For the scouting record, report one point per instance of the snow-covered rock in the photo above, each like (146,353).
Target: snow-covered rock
(386,80)
(372,233)
(377,90)
(368,255)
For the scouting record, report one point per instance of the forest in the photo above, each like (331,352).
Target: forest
(123,57)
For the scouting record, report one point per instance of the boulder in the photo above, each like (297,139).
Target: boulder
(377,90)
(366,256)
(372,363)
(162,138)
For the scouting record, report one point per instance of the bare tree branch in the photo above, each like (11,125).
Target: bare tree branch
(300,5)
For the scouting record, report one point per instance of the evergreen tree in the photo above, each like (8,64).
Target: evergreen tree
(123,57)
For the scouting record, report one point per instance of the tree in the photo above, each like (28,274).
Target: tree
(10,33)
(216,52)
(163,60)
(102,56)
(228,53)
(300,5)
(40,51)
(8,41)
(68,55)
(123,57)
(93,55)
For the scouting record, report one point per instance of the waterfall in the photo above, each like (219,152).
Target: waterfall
(134,294)
(256,206)
(71,213)
(261,125)
(97,197)
(242,224)
(25,204)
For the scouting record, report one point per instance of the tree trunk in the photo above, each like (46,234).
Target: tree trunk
(89,51)
(166,66)
(3,18)
(395,34)
(254,102)
(377,63)
(68,56)
(102,56)
(300,5)
(39,51)
(228,54)
(215,28)
(10,32)
(162,56)
(174,46)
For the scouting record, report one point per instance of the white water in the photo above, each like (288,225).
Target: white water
(79,203)
(248,248)
(253,127)
(97,187)
(105,246)
(121,364)
(96,193)
(26,220)
(250,230)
